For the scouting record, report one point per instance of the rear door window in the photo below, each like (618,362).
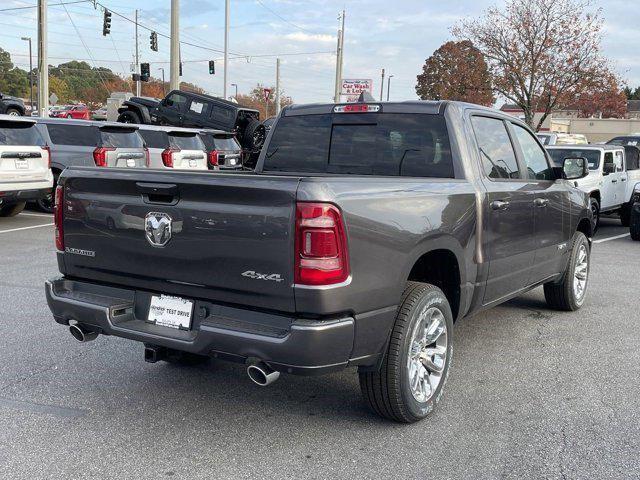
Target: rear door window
(75,135)
(412,145)
(186,141)
(19,134)
(120,138)
(155,138)
(496,150)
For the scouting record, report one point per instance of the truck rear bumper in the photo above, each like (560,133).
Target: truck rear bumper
(287,344)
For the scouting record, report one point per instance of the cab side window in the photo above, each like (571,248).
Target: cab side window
(177,102)
(534,157)
(618,161)
(608,162)
(496,151)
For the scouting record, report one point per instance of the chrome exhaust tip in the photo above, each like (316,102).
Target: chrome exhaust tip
(82,334)
(262,374)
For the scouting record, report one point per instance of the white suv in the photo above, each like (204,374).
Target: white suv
(25,174)
(613,174)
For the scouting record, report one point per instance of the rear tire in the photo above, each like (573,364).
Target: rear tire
(47,203)
(634,227)
(14,112)
(569,293)
(129,116)
(12,210)
(625,215)
(595,210)
(414,371)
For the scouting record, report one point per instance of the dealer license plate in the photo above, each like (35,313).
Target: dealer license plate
(22,164)
(172,312)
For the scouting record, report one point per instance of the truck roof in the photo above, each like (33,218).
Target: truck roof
(209,98)
(412,106)
(590,146)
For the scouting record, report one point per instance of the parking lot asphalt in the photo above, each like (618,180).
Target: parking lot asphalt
(533,393)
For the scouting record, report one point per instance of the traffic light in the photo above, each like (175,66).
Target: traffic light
(153,39)
(145,72)
(212,67)
(106,23)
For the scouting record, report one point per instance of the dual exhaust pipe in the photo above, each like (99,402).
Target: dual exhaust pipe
(259,372)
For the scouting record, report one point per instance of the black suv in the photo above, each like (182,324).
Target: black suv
(11,105)
(186,109)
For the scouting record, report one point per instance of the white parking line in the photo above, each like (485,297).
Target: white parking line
(26,228)
(602,240)
(42,215)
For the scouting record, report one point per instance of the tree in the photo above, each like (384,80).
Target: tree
(456,71)
(542,54)
(255,100)
(605,100)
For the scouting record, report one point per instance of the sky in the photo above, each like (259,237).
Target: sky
(397,36)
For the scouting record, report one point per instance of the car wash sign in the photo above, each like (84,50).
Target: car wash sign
(353,87)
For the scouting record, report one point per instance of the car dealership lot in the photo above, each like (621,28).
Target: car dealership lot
(533,393)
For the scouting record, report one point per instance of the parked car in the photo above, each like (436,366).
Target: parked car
(78,112)
(223,150)
(24,165)
(100,114)
(364,233)
(562,138)
(194,110)
(12,106)
(89,144)
(614,172)
(174,147)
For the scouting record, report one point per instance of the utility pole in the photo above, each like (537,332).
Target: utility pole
(339,60)
(28,39)
(277,87)
(174,54)
(43,62)
(382,85)
(137,58)
(389,86)
(235,85)
(226,48)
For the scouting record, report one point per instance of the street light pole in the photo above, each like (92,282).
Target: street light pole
(277,86)
(43,61)
(161,68)
(382,85)
(28,39)
(389,86)
(174,54)
(235,85)
(226,48)
(137,58)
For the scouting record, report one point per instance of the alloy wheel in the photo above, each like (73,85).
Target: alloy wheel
(581,273)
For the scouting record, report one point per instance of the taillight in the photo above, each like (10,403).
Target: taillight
(57,215)
(100,156)
(167,157)
(47,149)
(147,158)
(321,256)
(213,158)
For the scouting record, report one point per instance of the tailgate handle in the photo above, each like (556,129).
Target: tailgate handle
(166,193)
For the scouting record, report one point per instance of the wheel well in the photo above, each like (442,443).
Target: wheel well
(596,194)
(440,268)
(585,227)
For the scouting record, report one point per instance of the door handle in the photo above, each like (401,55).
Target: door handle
(614,181)
(623,179)
(499,205)
(541,202)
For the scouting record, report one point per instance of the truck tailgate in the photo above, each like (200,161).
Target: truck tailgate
(231,236)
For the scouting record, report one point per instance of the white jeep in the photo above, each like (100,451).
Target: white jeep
(614,171)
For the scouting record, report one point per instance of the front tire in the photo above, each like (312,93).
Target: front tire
(14,112)
(415,368)
(634,226)
(129,117)
(12,210)
(570,292)
(595,210)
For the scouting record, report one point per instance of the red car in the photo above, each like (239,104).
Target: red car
(80,112)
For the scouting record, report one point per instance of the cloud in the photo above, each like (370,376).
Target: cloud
(305,37)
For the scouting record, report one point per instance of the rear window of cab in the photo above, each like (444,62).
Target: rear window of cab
(19,134)
(386,144)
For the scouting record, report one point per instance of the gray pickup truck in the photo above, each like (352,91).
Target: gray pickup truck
(364,233)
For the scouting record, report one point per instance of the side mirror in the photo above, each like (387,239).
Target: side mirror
(575,168)
(608,168)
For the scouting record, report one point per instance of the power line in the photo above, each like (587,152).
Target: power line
(36,6)
(284,19)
